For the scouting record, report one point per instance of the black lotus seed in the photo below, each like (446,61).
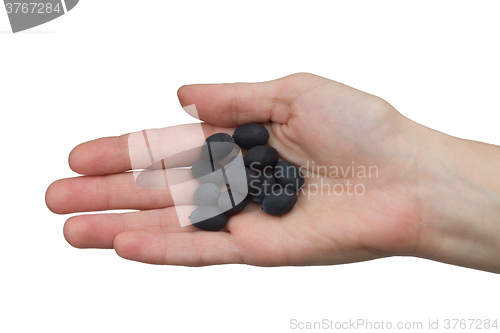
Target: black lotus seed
(208,218)
(217,146)
(226,205)
(250,135)
(202,171)
(207,195)
(279,202)
(260,157)
(288,175)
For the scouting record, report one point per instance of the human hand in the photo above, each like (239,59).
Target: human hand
(313,122)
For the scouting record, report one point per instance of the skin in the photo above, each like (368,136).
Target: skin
(432,195)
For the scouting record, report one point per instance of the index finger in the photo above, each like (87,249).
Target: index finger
(112,154)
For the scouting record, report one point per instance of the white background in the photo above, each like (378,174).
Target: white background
(112,67)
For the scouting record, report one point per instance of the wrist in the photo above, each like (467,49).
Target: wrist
(459,200)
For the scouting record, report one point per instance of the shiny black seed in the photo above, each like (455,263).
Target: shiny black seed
(202,170)
(279,202)
(267,184)
(226,205)
(260,157)
(243,180)
(288,175)
(221,145)
(207,195)
(208,218)
(250,135)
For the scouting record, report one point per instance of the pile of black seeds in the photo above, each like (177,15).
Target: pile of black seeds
(259,175)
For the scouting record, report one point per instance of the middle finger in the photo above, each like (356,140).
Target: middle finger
(120,191)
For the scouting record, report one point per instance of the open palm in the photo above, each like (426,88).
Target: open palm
(313,122)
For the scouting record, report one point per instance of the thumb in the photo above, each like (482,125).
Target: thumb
(237,103)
